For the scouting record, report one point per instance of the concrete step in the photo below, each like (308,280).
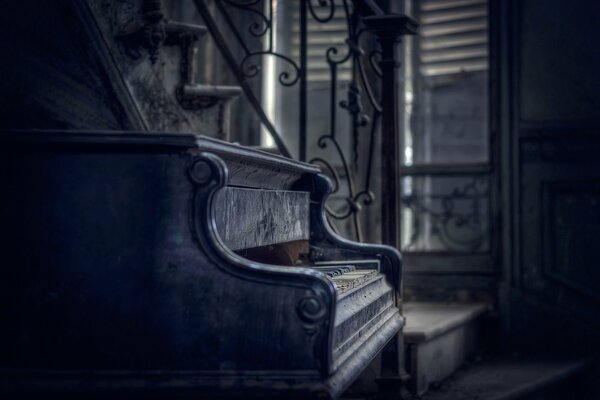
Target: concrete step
(222,92)
(178,28)
(514,378)
(439,338)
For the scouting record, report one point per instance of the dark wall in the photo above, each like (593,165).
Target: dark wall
(550,128)
(51,75)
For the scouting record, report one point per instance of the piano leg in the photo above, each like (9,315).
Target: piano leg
(393,373)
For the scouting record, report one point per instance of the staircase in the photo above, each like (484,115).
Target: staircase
(447,359)
(439,338)
(157,59)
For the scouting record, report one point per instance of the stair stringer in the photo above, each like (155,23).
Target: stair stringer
(154,77)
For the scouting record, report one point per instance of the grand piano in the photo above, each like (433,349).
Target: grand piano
(141,264)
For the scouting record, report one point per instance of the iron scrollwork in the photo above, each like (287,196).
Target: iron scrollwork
(355,54)
(456,229)
(261,29)
(360,103)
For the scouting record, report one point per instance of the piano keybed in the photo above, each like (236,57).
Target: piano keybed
(347,277)
(365,302)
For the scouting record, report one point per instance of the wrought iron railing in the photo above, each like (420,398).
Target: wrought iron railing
(454,218)
(370,99)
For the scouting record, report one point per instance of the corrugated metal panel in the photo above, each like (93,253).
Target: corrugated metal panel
(453,36)
(321,36)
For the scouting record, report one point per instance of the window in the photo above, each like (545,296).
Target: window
(446,136)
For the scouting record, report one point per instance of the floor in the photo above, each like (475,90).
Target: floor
(509,378)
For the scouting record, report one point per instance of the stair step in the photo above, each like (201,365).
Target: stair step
(426,321)
(213,91)
(439,337)
(511,378)
(182,27)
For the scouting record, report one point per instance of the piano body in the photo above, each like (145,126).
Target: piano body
(152,264)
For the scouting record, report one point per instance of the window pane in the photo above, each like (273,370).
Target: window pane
(446,115)
(445,213)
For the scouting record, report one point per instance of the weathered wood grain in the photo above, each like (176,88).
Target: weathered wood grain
(255,217)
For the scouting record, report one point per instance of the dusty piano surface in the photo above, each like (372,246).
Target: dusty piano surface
(179,265)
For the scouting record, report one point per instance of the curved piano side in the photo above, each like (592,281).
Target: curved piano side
(314,305)
(326,245)
(379,320)
(118,282)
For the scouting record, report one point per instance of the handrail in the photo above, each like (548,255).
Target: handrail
(370,114)
(241,78)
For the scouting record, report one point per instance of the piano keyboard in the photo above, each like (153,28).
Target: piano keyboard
(346,277)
